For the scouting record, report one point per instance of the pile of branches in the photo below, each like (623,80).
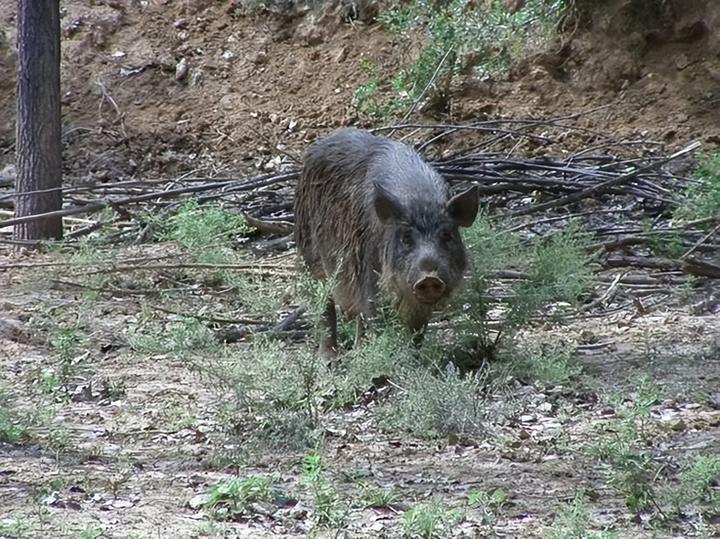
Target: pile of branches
(623,192)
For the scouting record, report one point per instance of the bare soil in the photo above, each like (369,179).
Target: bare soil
(267,85)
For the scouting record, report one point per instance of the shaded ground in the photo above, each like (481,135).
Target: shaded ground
(262,87)
(140,436)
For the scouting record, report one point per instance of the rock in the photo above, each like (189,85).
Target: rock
(196,502)
(12,329)
(310,34)
(181,70)
(678,425)
(180,24)
(258,58)
(341,55)
(682,62)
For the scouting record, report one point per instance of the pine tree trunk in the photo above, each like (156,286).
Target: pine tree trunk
(38,137)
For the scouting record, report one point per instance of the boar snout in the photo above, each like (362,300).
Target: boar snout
(429,289)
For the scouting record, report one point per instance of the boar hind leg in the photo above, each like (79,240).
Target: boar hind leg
(328,342)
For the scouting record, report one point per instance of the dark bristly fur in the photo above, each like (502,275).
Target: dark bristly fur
(371,212)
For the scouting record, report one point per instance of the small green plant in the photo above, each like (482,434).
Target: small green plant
(232,499)
(374,496)
(90,532)
(454,31)
(633,470)
(398,20)
(573,522)
(438,402)
(378,358)
(664,243)
(15,526)
(199,228)
(178,336)
(329,509)
(702,201)
(15,423)
(67,342)
(695,487)
(549,364)
(555,276)
(431,520)
(489,504)
(213,529)
(366,98)
(275,391)
(558,273)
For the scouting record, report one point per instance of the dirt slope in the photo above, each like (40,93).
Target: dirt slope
(259,83)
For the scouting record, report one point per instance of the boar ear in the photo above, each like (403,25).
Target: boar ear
(463,207)
(387,207)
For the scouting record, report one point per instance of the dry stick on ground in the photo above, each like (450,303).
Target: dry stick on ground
(430,83)
(214,319)
(261,269)
(699,268)
(599,188)
(67,264)
(96,206)
(700,242)
(123,291)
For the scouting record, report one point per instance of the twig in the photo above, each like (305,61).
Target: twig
(599,188)
(253,268)
(700,242)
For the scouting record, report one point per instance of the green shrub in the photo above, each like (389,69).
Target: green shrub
(703,200)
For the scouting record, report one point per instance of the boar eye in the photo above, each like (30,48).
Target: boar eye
(447,236)
(406,238)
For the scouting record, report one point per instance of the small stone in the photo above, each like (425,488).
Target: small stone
(259,58)
(679,425)
(341,55)
(180,24)
(198,501)
(682,62)
(181,70)
(545,407)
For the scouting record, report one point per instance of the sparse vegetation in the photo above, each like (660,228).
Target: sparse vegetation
(483,38)
(430,520)
(548,364)
(374,496)
(702,200)
(329,508)
(439,403)
(697,487)
(573,522)
(15,423)
(179,336)
(632,469)
(232,499)
(489,504)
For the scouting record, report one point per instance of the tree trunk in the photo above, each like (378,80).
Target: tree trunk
(38,145)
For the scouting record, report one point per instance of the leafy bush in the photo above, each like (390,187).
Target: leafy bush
(231,499)
(703,200)
(431,520)
(207,232)
(441,402)
(453,30)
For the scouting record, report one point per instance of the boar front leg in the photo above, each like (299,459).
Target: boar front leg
(328,341)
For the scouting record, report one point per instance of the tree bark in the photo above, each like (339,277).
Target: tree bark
(38,145)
